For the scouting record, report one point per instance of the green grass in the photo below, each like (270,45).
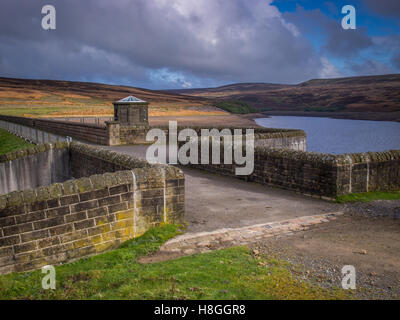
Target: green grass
(235,106)
(10,142)
(226,274)
(369,196)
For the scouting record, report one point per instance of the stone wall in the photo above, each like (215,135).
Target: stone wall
(267,137)
(166,180)
(111,134)
(133,135)
(115,134)
(318,174)
(367,172)
(304,172)
(96,212)
(283,142)
(87,132)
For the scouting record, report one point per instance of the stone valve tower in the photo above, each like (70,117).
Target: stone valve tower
(131,111)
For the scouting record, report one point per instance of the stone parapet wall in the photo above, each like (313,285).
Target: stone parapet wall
(318,174)
(304,172)
(87,132)
(116,134)
(290,142)
(88,215)
(367,172)
(87,160)
(263,137)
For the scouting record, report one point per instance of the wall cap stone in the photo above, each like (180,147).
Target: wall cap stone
(341,159)
(143,171)
(57,190)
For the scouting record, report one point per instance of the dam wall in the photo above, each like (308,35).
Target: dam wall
(46,130)
(266,137)
(30,168)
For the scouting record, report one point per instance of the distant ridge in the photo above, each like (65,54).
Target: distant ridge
(379,93)
(58,98)
(90,89)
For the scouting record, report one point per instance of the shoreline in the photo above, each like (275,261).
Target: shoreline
(371,116)
(249,119)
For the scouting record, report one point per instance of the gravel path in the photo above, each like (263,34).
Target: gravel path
(371,244)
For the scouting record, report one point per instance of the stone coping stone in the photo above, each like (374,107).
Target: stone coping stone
(69,187)
(32,121)
(154,174)
(264,133)
(342,159)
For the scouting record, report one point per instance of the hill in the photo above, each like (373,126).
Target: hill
(25,97)
(354,94)
(370,97)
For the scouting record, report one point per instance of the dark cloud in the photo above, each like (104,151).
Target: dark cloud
(336,42)
(346,43)
(396,60)
(389,8)
(370,67)
(388,46)
(156,42)
(360,53)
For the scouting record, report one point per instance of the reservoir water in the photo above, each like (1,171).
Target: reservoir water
(337,136)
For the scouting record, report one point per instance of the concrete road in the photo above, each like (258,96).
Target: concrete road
(215,201)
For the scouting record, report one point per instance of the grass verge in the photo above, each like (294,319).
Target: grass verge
(225,274)
(10,142)
(369,196)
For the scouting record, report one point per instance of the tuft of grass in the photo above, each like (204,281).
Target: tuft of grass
(10,142)
(368,196)
(225,274)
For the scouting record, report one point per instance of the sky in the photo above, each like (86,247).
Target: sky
(174,44)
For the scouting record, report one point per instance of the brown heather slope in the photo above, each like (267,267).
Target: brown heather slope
(354,94)
(39,98)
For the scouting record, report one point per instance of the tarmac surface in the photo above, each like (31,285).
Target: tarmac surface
(214,201)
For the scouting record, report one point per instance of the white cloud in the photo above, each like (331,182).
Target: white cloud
(328,69)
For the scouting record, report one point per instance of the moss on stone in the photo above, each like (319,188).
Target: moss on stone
(61,144)
(56,190)
(21,153)
(15,198)
(3,201)
(84,184)
(11,156)
(98,181)
(42,193)
(171,172)
(110,179)
(315,157)
(123,160)
(41,148)
(70,187)
(29,196)
(123,177)
(32,150)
